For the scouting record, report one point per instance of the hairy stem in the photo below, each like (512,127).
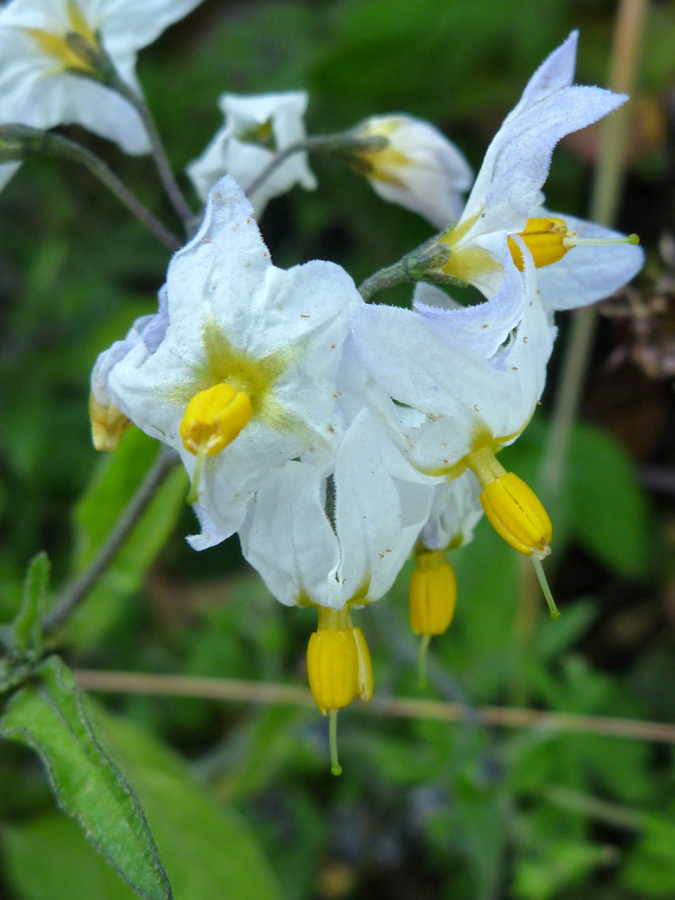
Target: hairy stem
(162,163)
(330,143)
(56,145)
(79,587)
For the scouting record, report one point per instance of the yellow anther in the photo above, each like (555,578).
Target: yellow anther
(517,515)
(512,508)
(548,240)
(364,676)
(77,49)
(213,419)
(338,661)
(333,668)
(544,238)
(108,424)
(433,594)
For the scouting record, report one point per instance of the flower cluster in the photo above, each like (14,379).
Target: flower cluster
(336,436)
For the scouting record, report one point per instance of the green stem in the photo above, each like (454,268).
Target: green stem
(56,145)
(331,143)
(79,587)
(425,263)
(162,163)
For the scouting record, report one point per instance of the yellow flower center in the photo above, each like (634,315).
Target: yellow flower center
(544,238)
(213,419)
(77,49)
(512,508)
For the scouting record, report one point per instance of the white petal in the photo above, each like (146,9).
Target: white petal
(485,326)
(289,540)
(518,159)
(555,73)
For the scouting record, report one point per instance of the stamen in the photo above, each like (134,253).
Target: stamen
(512,508)
(335,767)
(213,419)
(422,661)
(433,594)
(548,240)
(543,582)
(571,240)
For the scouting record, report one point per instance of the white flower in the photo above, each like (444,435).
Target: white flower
(419,168)
(506,197)
(256,129)
(339,539)
(475,373)
(243,379)
(49,48)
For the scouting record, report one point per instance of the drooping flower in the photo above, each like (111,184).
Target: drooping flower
(243,378)
(419,168)
(336,538)
(55,54)
(256,128)
(475,375)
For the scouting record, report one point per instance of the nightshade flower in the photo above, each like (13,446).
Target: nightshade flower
(419,168)
(256,128)
(506,198)
(476,373)
(243,379)
(476,388)
(336,540)
(54,56)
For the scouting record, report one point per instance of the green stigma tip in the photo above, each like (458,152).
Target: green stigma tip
(633,239)
(336,770)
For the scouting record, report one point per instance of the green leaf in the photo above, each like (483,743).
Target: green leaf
(28,624)
(34,852)
(111,490)
(49,716)
(609,507)
(649,869)
(209,850)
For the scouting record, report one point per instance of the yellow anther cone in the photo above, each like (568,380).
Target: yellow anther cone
(213,419)
(433,594)
(517,514)
(332,668)
(108,424)
(544,239)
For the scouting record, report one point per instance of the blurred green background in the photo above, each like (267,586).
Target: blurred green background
(247,808)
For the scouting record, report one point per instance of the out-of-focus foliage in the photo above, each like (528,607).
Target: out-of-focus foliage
(243,805)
